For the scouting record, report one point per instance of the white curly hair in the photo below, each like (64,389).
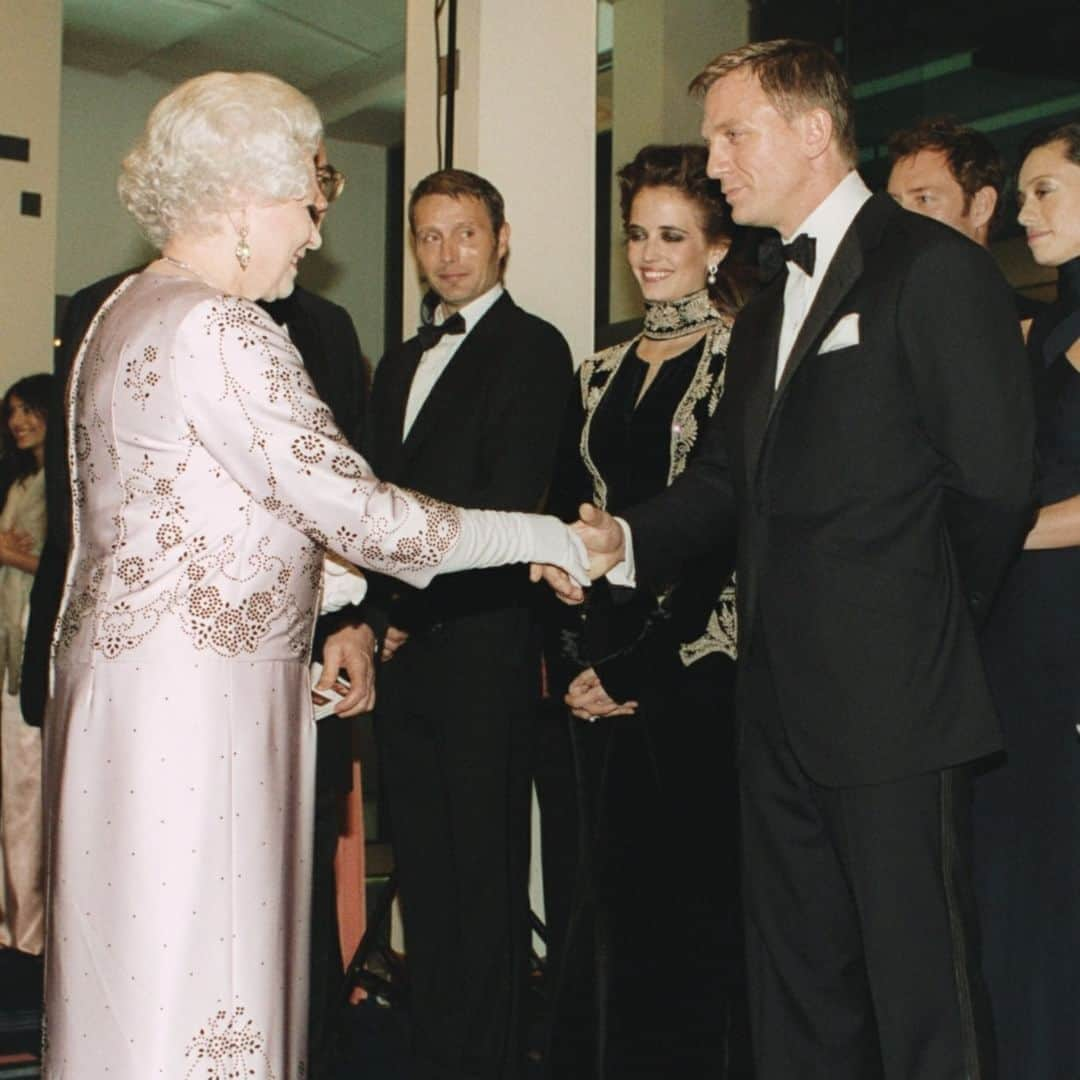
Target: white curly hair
(214,143)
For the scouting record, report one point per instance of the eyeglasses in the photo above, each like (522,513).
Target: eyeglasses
(331,182)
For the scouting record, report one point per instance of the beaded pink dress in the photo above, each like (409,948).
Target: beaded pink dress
(207,478)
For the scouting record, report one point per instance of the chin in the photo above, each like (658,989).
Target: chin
(669,292)
(281,290)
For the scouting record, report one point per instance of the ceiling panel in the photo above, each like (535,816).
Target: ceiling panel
(375,24)
(385,126)
(348,54)
(118,35)
(259,39)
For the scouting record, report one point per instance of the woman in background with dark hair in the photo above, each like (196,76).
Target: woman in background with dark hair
(652,979)
(22,532)
(1027,809)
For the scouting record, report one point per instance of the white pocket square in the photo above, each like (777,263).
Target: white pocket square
(842,335)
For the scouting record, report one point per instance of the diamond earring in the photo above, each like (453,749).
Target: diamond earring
(243,250)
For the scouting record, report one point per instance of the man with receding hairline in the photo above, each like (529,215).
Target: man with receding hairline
(467,410)
(874,518)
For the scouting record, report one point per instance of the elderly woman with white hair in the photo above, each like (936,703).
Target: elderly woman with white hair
(207,481)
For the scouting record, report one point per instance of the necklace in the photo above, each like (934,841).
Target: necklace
(184,266)
(666,319)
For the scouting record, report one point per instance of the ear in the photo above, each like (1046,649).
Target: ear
(983,205)
(503,242)
(718,252)
(237,218)
(817,131)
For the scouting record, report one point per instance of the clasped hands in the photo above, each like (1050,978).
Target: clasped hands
(604,543)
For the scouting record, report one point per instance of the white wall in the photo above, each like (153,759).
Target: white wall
(30,63)
(101,116)
(660,45)
(350,267)
(525,120)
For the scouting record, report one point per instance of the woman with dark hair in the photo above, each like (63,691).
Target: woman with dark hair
(1027,808)
(651,983)
(22,533)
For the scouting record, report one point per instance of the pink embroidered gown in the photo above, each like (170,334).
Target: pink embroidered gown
(207,476)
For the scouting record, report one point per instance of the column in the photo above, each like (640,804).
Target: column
(660,45)
(525,120)
(29,166)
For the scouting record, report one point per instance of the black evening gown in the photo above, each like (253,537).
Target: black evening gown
(651,978)
(1027,804)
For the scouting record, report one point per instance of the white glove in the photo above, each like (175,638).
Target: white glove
(343,584)
(495,538)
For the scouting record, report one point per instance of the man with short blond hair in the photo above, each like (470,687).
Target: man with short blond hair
(874,521)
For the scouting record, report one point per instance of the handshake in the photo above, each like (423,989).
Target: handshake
(602,539)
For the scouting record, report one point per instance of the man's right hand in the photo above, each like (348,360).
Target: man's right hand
(606,547)
(603,539)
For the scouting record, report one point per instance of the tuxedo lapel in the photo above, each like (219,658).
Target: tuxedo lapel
(844,270)
(459,379)
(762,333)
(390,451)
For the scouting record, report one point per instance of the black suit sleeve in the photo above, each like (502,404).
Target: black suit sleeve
(969,371)
(691,518)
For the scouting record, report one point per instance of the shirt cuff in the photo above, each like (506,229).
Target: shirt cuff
(624,574)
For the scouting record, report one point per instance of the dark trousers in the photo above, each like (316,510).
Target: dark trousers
(861,926)
(454,743)
(326,1002)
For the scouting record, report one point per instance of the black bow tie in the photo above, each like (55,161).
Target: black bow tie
(430,334)
(774,253)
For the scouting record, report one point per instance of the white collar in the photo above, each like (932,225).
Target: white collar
(831,218)
(474,310)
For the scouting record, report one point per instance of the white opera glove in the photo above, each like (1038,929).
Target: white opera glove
(498,537)
(343,584)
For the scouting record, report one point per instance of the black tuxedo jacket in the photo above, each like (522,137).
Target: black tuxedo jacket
(879,494)
(485,437)
(324,336)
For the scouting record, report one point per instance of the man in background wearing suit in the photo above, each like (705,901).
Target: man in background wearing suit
(875,455)
(467,411)
(955,175)
(324,335)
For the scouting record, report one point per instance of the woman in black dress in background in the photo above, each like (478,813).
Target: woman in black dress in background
(652,983)
(1027,809)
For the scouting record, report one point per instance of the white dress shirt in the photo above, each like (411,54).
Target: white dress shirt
(437,359)
(827,224)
